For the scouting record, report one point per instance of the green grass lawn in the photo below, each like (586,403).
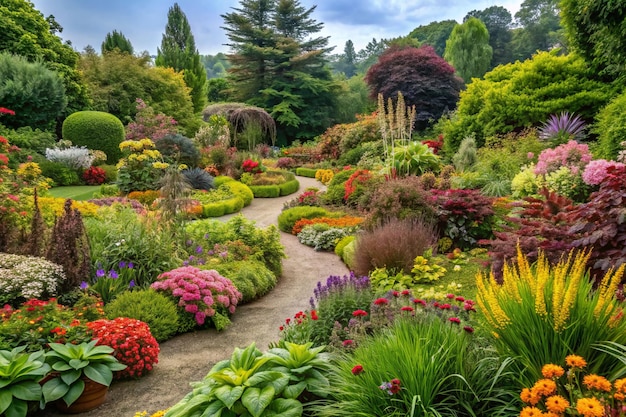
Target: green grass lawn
(75,192)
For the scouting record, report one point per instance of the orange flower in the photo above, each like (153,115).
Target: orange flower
(575,361)
(552,371)
(556,404)
(620,385)
(590,407)
(544,387)
(526,395)
(530,412)
(619,396)
(597,382)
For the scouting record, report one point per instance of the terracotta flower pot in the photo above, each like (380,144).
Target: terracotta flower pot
(93,396)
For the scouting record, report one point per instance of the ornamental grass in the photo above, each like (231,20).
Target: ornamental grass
(541,313)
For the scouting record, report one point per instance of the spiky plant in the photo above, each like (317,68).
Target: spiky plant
(560,128)
(199,179)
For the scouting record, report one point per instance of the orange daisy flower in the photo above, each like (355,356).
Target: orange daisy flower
(530,412)
(590,407)
(557,404)
(575,361)
(597,382)
(552,371)
(544,387)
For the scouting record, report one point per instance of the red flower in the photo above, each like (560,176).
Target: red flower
(314,315)
(395,293)
(406,292)
(358,369)
(460,299)
(381,301)
(7,111)
(395,386)
(450,296)
(359,313)
(468,329)
(281,328)
(445,306)
(418,301)
(407,308)
(455,320)
(347,343)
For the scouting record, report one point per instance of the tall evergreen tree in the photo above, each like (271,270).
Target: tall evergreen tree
(178,51)
(498,21)
(468,50)
(117,40)
(280,65)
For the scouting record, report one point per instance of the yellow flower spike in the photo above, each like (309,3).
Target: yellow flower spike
(610,283)
(542,278)
(487,301)
(576,274)
(510,283)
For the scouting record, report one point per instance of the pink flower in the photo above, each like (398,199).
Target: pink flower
(596,171)
(191,308)
(347,343)
(200,317)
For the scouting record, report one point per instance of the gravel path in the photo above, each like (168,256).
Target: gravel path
(190,356)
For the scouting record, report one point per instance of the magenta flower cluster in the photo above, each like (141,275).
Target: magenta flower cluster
(596,171)
(572,155)
(200,292)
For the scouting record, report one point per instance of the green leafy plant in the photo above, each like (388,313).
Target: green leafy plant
(70,363)
(19,380)
(425,270)
(384,280)
(414,158)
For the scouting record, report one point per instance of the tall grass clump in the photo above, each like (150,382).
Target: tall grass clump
(393,245)
(416,367)
(541,313)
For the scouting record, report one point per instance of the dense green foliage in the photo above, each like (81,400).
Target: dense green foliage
(498,21)
(24,31)
(280,66)
(434,34)
(524,94)
(95,130)
(539,28)
(252,278)
(35,93)
(611,128)
(468,49)
(178,51)
(116,40)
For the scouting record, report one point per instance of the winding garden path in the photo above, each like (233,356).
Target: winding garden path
(190,356)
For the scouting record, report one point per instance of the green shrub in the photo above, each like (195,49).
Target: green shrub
(289,187)
(178,148)
(110,171)
(265,191)
(336,191)
(343,242)
(530,91)
(95,130)
(233,205)
(149,306)
(252,276)
(611,128)
(242,190)
(321,236)
(109,190)
(348,254)
(288,218)
(213,209)
(306,172)
(59,173)
(26,138)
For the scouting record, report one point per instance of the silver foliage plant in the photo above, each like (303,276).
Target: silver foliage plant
(72,157)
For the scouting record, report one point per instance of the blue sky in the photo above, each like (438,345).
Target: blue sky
(86,22)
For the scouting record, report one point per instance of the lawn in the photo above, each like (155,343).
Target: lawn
(75,192)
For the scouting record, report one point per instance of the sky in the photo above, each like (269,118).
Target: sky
(86,22)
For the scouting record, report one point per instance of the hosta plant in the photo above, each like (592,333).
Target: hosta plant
(72,363)
(19,380)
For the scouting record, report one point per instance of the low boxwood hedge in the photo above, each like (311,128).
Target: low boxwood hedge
(289,187)
(306,172)
(265,191)
(288,218)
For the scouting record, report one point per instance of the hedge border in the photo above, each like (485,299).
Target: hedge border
(306,172)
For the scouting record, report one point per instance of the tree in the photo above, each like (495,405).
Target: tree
(24,31)
(498,21)
(540,28)
(279,65)
(346,63)
(215,65)
(178,51)
(468,50)
(425,80)
(35,93)
(218,90)
(117,40)
(595,29)
(434,34)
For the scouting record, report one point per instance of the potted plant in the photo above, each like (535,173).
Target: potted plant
(81,375)
(19,380)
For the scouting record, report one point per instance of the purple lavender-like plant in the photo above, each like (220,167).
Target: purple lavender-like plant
(337,284)
(563,127)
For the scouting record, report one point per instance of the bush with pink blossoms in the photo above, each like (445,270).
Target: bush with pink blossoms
(596,171)
(572,155)
(204,294)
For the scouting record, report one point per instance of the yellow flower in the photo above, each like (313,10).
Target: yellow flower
(597,382)
(590,407)
(556,404)
(544,387)
(530,412)
(160,165)
(552,371)
(620,385)
(575,361)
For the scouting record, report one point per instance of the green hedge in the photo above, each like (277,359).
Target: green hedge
(288,218)
(265,191)
(214,209)
(252,278)
(233,205)
(289,187)
(306,172)
(238,188)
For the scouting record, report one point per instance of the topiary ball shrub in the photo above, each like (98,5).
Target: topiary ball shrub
(199,179)
(252,278)
(97,131)
(149,306)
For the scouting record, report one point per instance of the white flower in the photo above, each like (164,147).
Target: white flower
(457,267)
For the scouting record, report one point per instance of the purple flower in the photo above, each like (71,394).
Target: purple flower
(199,249)
(113,274)
(122,264)
(130,265)
(100,273)
(224,254)
(84,285)
(131,284)
(206,235)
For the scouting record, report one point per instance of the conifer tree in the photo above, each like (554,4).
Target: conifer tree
(178,51)
(117,40)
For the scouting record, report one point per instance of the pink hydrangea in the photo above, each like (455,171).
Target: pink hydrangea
(572,155)
(200,292)
(596,171)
